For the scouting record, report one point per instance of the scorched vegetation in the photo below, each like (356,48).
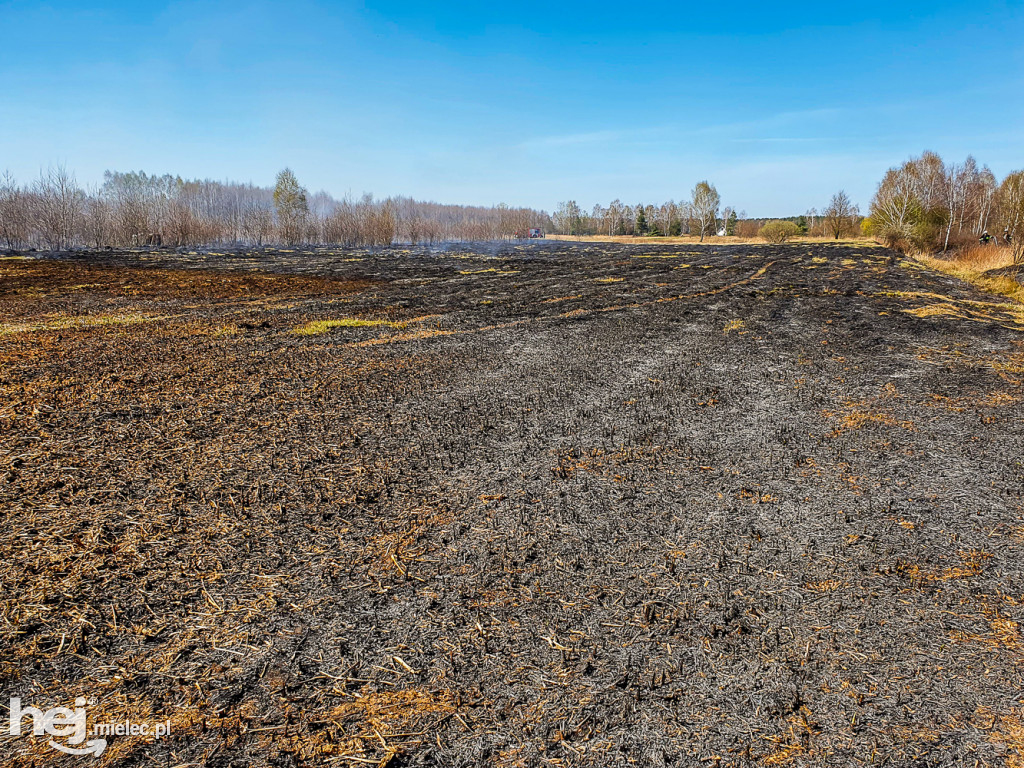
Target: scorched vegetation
(549,504)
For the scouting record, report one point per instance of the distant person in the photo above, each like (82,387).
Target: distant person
(985,238)
(1007,237)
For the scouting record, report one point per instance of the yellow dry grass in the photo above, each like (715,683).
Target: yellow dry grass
(794,742)
(862,242)
(854,417)
(67,323)
(1004,634)
(1005,364)
(970,309)
(396,550)
(677,255)
(973,563)
(389,708)
(966,403)
(972,265)
(317,327)
(733,325)
(1006,730)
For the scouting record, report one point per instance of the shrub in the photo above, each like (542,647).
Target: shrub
(925,235)
(747,228)
(899,238)
(779,231)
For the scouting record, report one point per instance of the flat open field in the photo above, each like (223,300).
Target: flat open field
(860,241)
(552,504)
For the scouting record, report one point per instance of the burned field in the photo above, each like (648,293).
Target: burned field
(552,504)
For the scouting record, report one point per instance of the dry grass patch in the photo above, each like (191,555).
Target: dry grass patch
(973,563)
(968,309)
(936,310)
(66,323)
(658,255)
(970,402)
(855,416)
(1004,633)
(973,264)
(1007,730)
(1002,363)
(398,549)
(317,327)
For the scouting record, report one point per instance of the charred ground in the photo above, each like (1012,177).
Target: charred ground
(552,504)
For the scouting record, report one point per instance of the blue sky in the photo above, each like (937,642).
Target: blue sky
(528,103)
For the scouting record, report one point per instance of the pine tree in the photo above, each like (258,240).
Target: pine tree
(641,221)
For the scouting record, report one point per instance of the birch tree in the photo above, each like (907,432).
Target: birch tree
(704,203)
(1011,211)
(568,218)
(955,199)
(896,205)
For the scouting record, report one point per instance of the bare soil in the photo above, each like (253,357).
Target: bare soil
(569,504)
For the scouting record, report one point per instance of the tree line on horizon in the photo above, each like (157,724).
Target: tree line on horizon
(135,208)
(923,204)
(702,216)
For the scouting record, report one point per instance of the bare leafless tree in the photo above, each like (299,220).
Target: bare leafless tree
(1011,212)
(137,208)
(258,223)
(59,203)
(97,220)
(15,216)
(840,216)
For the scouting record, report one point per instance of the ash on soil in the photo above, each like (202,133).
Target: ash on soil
(570,504)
